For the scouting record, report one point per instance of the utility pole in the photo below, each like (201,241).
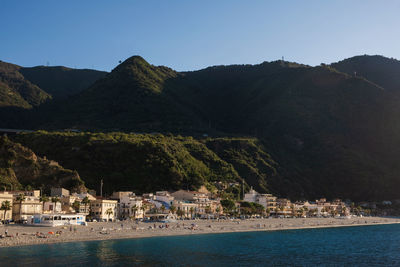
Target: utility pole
(243,187)
(101,187)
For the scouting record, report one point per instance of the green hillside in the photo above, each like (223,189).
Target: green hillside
(146,163)
(21,168)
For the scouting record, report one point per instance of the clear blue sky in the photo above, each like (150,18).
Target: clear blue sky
(189,34)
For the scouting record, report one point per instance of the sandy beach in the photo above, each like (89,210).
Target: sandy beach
(20,235)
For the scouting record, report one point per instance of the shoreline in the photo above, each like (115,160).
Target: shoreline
(131,230)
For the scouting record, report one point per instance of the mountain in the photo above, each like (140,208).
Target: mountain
(16,91)
(31,87)
(137,96)
(61,82)
(23,90)
(132,96)
(378,69)
(318,131)
(384,72)
(20,167)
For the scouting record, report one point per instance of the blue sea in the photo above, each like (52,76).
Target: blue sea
(345,246)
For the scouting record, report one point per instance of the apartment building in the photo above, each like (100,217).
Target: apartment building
(104,209)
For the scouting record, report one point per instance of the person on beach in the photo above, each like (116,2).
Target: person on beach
(6,232)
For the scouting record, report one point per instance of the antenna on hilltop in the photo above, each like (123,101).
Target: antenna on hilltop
(47,63)
(101,187)
(283,58)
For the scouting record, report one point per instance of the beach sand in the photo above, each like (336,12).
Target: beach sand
(19,235)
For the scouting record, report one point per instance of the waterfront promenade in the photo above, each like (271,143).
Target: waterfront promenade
(19,235)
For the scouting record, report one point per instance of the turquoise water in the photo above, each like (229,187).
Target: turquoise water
(349,246)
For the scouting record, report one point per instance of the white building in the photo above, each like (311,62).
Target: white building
(73,203)
(6,214)
(104,209)
(52,207)
(190,210)
(268,201)
(192,196)
(251,196)
(25,209)
(130,207)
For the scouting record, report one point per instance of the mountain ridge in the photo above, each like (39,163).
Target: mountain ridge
(329,132)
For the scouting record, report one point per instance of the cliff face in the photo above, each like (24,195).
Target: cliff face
(20,167)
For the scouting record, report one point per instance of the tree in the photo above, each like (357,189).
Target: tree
(344,210)
(218,210)
(313,212)
(180,212)
(301,212)
(86,201)
(258,208)
(28,187)
(43,199)
(134,209)
(55,200)
(207,209)
(334,212)
(228,205)
(76,205)
(293,210)
(352,206)
(143,208)
(162,208)
(6,206)
(20,198)
(267,212)
(191,210)
(251,208)
(109,212)
(172,209)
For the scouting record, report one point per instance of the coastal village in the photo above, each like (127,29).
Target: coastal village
(29,217)
(65,208)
